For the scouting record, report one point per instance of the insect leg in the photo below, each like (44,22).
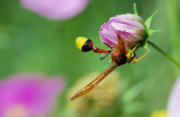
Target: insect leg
(135,47)
(134,62)
(107,45)
(142,56)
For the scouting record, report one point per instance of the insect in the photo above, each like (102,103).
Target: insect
(119,56)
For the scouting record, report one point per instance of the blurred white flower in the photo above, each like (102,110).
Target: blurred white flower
(55,9)
(173,107)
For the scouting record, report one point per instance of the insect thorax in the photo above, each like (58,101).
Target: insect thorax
(130,56)
(118,58)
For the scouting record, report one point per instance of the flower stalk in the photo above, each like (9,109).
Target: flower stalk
(164,53)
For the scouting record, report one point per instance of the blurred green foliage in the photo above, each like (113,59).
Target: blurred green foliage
(31,43)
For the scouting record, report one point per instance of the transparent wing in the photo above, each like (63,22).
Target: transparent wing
(95,82)
(104,56)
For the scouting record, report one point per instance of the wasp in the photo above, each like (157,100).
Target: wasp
(119,56)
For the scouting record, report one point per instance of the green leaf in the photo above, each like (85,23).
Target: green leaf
(134,91)
(135,9)
(148,21)
(132,107)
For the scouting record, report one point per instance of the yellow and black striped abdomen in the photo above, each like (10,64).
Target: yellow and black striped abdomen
(84,44)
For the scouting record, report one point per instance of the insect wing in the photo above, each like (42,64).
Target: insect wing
(104,56)
(121,44)
(95,82)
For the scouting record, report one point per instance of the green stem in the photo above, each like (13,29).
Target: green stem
(164,53)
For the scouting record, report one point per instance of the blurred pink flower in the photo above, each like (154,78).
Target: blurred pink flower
(132,25)
(173,107)
(56,9)
(29,95)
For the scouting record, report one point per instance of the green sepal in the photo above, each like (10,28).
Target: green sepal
(135,9)
(148,21)
(145,46)
(143,43)
(150,32)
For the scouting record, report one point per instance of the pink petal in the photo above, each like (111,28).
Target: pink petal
(35,93)
(56,9)
(130,23)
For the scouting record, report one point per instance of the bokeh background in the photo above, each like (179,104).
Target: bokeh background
(31,43)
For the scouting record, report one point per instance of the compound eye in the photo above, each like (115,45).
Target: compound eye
(84,44)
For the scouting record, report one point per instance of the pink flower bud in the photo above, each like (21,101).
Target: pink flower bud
(130,26)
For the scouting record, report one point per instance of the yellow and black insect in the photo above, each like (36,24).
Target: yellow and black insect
(119,56)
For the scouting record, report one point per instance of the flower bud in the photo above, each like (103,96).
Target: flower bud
(130,26)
